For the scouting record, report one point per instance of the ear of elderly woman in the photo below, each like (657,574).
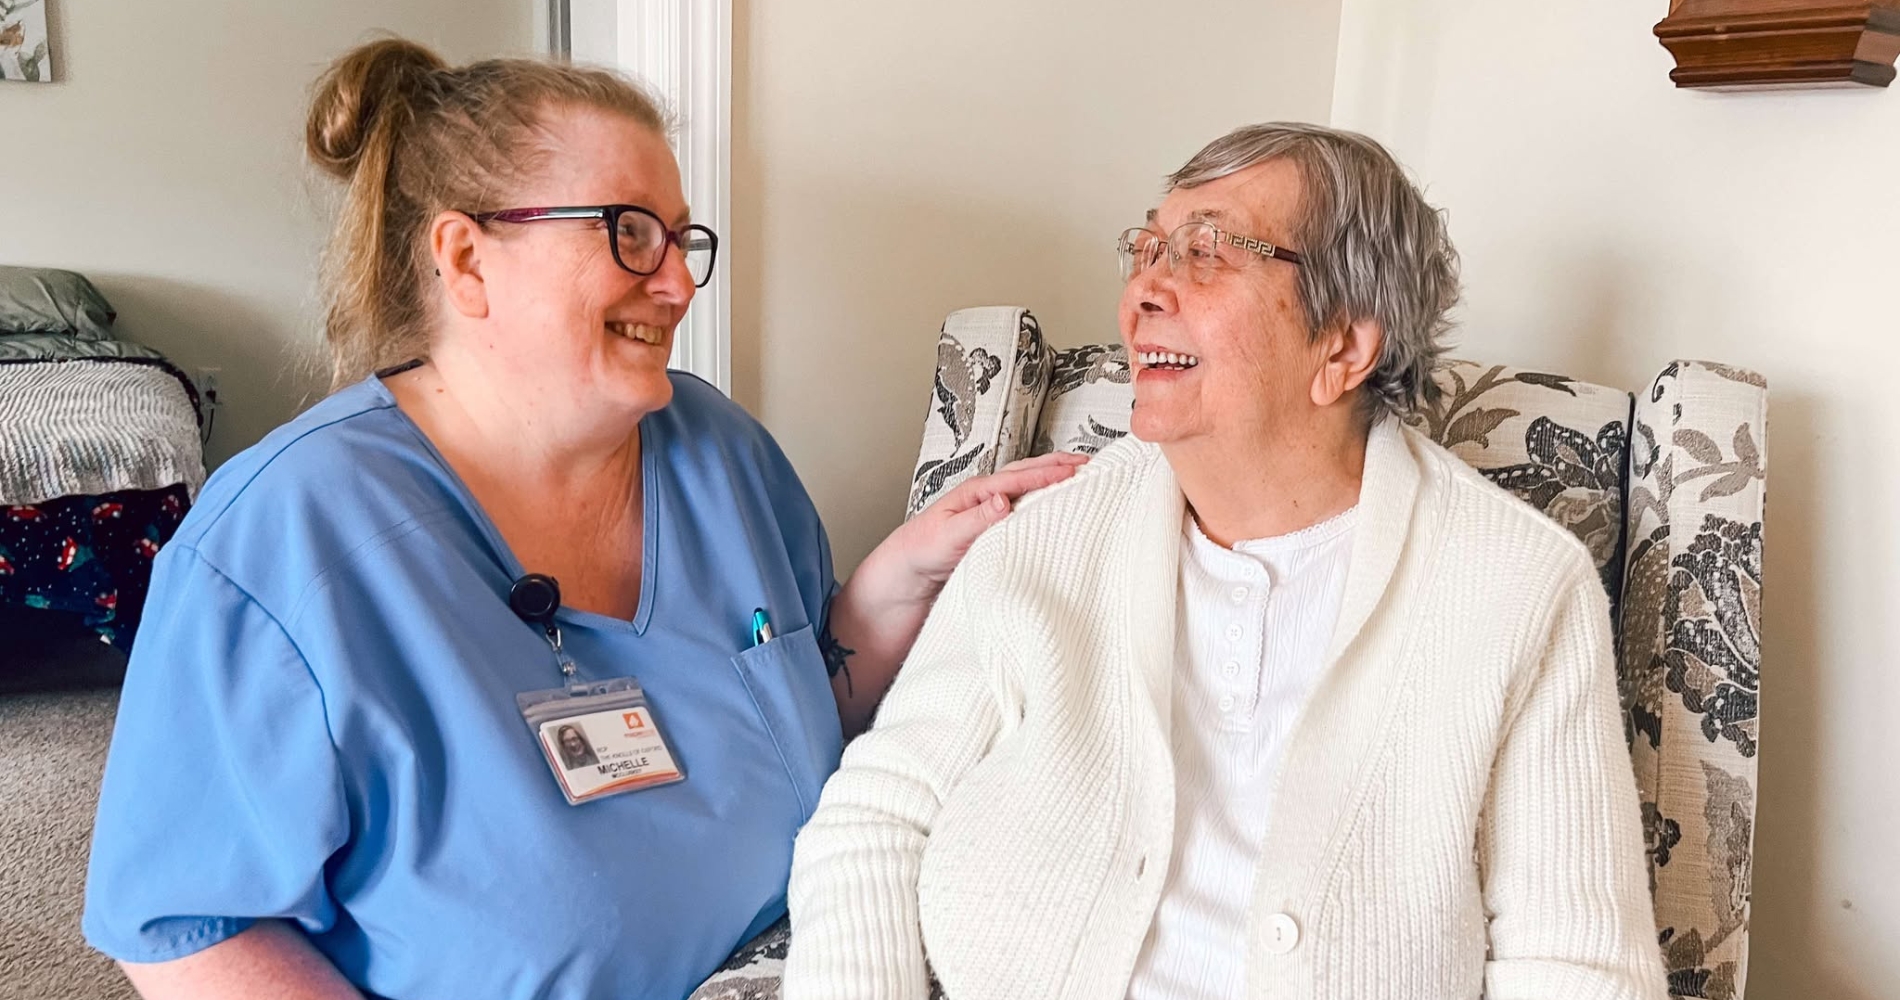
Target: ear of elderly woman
(1275,699)
(344,763)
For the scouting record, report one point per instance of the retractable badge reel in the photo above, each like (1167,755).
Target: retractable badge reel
(599,737)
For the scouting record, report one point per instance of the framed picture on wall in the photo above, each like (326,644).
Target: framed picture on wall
(24,55)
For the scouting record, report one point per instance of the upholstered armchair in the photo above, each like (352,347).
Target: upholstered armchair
(1664,486)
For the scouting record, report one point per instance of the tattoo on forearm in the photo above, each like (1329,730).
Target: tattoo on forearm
(835,654)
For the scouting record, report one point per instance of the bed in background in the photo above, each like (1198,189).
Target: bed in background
(100,454)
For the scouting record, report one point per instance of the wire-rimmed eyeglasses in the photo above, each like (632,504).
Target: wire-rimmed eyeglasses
(637,237)
(1197,244)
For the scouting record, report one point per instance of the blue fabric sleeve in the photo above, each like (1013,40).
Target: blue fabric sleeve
(222,797)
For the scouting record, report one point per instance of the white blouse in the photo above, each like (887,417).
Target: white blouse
(1253,623)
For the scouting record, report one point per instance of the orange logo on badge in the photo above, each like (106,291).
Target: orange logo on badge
(634,720)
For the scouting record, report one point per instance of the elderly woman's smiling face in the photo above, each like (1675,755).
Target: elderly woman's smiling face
(561,312)
(1236,317)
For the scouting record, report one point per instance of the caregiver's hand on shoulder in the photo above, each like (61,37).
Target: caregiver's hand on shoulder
(876,616)
(928,547)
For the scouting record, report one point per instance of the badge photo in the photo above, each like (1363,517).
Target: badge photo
(606,752)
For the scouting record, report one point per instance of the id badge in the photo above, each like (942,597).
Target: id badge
(600,738)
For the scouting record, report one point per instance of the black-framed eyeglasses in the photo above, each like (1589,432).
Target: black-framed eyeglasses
(1196,244)
(637,237)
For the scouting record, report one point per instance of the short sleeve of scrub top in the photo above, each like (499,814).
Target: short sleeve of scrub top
(318,722)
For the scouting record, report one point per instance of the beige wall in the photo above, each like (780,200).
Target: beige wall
(1609,224)
(165,164)
(895,161)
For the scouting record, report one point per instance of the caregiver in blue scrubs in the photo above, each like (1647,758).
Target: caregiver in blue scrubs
(331,776)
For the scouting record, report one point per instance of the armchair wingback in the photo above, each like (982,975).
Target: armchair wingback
(1665,486)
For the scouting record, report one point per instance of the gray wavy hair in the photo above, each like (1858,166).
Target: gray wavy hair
(1373,248)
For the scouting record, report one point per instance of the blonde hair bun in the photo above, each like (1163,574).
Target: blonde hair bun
(374,80)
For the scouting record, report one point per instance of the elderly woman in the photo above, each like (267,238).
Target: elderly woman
(1276,698)
(503,671)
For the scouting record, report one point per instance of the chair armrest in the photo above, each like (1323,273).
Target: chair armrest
(1691,656)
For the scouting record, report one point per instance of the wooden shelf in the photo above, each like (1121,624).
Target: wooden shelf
(1782,43)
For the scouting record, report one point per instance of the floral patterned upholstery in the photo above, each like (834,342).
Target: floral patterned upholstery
(752,973)
(1674,524)
(1090,397)
(1690,661)
(992,374)
(1556,442)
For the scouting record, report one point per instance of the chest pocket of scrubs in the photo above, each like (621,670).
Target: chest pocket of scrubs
(787,680)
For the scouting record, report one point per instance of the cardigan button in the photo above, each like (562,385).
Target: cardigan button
(1283,934)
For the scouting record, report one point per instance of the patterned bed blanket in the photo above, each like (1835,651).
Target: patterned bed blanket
(61,347)
(99,461)
(92,417)
(88,556)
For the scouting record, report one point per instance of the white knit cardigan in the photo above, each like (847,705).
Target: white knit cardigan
(1456,813)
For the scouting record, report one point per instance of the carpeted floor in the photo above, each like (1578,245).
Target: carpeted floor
(55,725)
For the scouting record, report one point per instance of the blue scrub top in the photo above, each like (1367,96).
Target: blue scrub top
(319,721)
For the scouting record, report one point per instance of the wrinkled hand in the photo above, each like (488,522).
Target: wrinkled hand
(930,545)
